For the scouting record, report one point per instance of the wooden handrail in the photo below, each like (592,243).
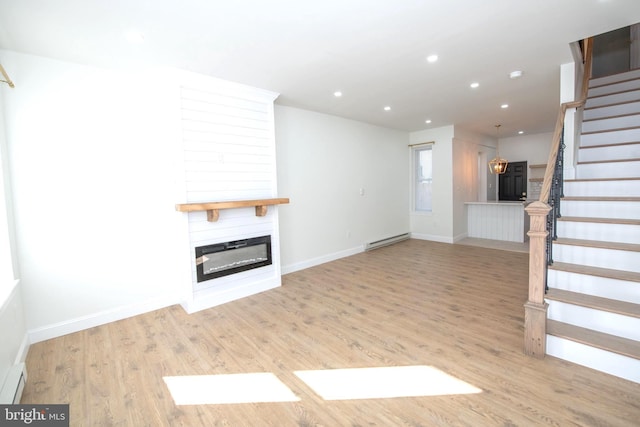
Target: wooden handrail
(6,80)
(535,309)
(557,133)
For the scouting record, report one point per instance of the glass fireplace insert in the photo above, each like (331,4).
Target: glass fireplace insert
(222,259)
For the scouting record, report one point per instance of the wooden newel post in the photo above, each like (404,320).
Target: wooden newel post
(535,309)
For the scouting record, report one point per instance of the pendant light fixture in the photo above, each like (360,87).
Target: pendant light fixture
(498,165)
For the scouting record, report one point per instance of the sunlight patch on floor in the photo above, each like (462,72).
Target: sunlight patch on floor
(225,389)
(384,382)
(330,384)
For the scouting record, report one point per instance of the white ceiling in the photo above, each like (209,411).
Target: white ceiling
(374,51)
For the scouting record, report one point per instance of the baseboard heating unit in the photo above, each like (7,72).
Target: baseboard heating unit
(11,391)
(386,242)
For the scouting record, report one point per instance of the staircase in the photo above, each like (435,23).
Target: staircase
(594,282)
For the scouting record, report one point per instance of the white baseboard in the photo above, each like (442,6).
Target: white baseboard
(286,269)
(432,237)
(459,237)
(213,297)
(89,321)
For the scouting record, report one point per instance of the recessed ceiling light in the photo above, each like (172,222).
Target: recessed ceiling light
(134,36)
(337,94)
(504,106)
(387,108)
(432,58)
(515,74)
(427,121)
(474,85)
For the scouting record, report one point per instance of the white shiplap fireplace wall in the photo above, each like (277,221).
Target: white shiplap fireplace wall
(227,154)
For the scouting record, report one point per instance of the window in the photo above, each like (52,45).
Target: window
(422,178)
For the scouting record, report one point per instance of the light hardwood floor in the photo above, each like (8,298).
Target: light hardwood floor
(413,303)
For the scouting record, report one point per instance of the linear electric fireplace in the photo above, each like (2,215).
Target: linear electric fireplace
(222,259)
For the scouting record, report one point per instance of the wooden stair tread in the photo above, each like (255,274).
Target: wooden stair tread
(609,273)
(626,221)
(615,82)
(613,104)
(610,130)
(623,346)
(586,147)
(615,116)
(597,303)
(598,244)
(609,161)
(601,179)
(602,198)
(611,93)
(540,166)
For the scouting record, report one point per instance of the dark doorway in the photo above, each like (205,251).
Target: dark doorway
(611,53)
(512,184)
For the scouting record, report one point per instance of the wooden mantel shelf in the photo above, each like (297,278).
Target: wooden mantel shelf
(213,208)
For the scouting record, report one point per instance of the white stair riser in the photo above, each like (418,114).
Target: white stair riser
(613,78)
(602,321)
(594,358)
(604,287)
(597,257)
(611,123)
(612,110)
(614,88)
(614,137)
(615,152)
(608,170)
(602,188)
(600,209)
(612,99)
(621,233)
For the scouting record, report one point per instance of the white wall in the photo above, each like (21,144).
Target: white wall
(438,224)
(92,174)
(468,175)
(323,161)
(531,148)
